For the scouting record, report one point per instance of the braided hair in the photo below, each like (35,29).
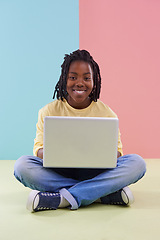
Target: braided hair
(82,55)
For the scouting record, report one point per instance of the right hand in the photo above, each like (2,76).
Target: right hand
(40,153)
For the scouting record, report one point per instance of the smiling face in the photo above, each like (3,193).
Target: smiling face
(79,84)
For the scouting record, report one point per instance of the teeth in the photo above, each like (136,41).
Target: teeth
(79,91)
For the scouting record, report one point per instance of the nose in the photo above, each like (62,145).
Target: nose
(79,82)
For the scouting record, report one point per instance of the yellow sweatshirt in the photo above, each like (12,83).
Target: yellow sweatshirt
(62,108)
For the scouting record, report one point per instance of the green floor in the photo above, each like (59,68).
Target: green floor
(96,222)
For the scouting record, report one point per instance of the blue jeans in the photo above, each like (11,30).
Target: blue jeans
(80,187)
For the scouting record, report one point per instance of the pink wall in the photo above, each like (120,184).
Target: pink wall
(124,38)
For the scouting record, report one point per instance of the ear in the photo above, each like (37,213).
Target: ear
(93,91)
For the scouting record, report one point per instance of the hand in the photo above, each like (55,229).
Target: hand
(40,153)
(118,154)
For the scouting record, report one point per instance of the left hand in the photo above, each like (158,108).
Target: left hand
(118,154)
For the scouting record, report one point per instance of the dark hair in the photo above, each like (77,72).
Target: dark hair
(82,55)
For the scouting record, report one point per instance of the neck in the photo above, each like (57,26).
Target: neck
(80,105)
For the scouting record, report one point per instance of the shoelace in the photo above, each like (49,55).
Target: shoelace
(46,199)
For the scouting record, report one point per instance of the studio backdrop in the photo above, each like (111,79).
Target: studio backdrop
(123,37)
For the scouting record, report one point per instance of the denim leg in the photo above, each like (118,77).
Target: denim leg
(30,172)
(130,168)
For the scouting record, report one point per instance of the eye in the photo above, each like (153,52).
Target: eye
(72,78)
(87,78)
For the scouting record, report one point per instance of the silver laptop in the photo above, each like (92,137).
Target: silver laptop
(80,142)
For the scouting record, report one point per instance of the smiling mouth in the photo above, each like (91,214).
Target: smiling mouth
(79,91)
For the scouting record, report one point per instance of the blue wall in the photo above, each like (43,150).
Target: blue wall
(34,36)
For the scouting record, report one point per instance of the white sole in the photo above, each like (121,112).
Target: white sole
(127,196)
(30,201)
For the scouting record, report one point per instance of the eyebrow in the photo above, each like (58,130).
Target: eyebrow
(77,73)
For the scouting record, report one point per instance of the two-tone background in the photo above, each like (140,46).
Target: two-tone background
(123,37)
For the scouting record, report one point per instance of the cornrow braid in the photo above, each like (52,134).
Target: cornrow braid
(60,89)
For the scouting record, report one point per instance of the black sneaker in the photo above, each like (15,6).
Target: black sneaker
(39,201)
(121,197)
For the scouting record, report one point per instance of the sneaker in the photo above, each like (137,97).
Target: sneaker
(38,201)
(121,197)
